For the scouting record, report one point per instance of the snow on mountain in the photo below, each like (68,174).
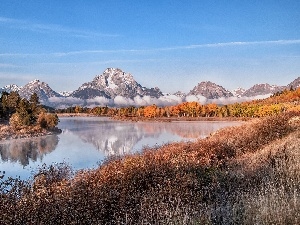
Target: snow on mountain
(42,89)
(114,82)
(238,92)
(262,89)
(210,90)
(9,88)
(65,93)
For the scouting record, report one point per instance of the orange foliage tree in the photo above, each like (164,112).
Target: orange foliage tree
(150,111)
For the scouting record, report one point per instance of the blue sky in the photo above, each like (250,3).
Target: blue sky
(170,44)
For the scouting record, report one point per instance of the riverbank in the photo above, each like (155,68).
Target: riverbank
(157,119)
(8,132)
(172,119)
(75,115)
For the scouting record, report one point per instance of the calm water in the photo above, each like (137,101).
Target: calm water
(85,141)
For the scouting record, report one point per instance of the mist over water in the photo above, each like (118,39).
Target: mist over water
(85,141)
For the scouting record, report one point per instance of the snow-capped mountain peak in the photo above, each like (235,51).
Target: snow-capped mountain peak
(114,82)
(35,81)
(112,77)
(42,89)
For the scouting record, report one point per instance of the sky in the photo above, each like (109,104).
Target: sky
(173,45)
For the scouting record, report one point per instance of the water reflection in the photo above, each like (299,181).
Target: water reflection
(26,150)
(86,141)
(115,138)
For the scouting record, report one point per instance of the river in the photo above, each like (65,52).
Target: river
(86,141)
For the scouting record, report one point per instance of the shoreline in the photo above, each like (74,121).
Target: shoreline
(156,119)
(77,115)
(180,119)
(8,133)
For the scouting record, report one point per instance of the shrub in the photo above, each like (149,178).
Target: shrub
(47,120)
(17,121)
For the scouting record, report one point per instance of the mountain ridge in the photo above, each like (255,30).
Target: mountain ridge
(114,82)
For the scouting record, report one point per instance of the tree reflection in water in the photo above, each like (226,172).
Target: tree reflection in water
(24,150)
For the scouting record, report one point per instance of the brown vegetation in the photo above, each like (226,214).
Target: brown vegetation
(241,175)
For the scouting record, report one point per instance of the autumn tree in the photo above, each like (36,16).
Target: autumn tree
(150,111)
(78,109)
(47,120)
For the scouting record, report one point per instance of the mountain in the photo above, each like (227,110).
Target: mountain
(65,93)
(295,84)
(238,92)
(10,88)
(42,89)
(114,82)
(180,94)
(262,89)
(210,90)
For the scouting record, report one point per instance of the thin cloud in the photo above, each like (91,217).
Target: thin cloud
(50,28)
(186,47)
(149,50)
(7,65)
(61,54)
(228,44)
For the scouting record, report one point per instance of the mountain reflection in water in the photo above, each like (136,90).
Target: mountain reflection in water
(118,138)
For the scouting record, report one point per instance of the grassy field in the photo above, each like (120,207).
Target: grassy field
(249,174)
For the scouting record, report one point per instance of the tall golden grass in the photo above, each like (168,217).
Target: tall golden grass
(247,174)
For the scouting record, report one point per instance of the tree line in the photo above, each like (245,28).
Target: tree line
(287,100)
(20,112)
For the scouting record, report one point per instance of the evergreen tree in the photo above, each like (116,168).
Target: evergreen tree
(24,112)
(35,108)
(2,108)
(10,103)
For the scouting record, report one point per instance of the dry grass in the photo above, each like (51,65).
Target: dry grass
(241,175)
